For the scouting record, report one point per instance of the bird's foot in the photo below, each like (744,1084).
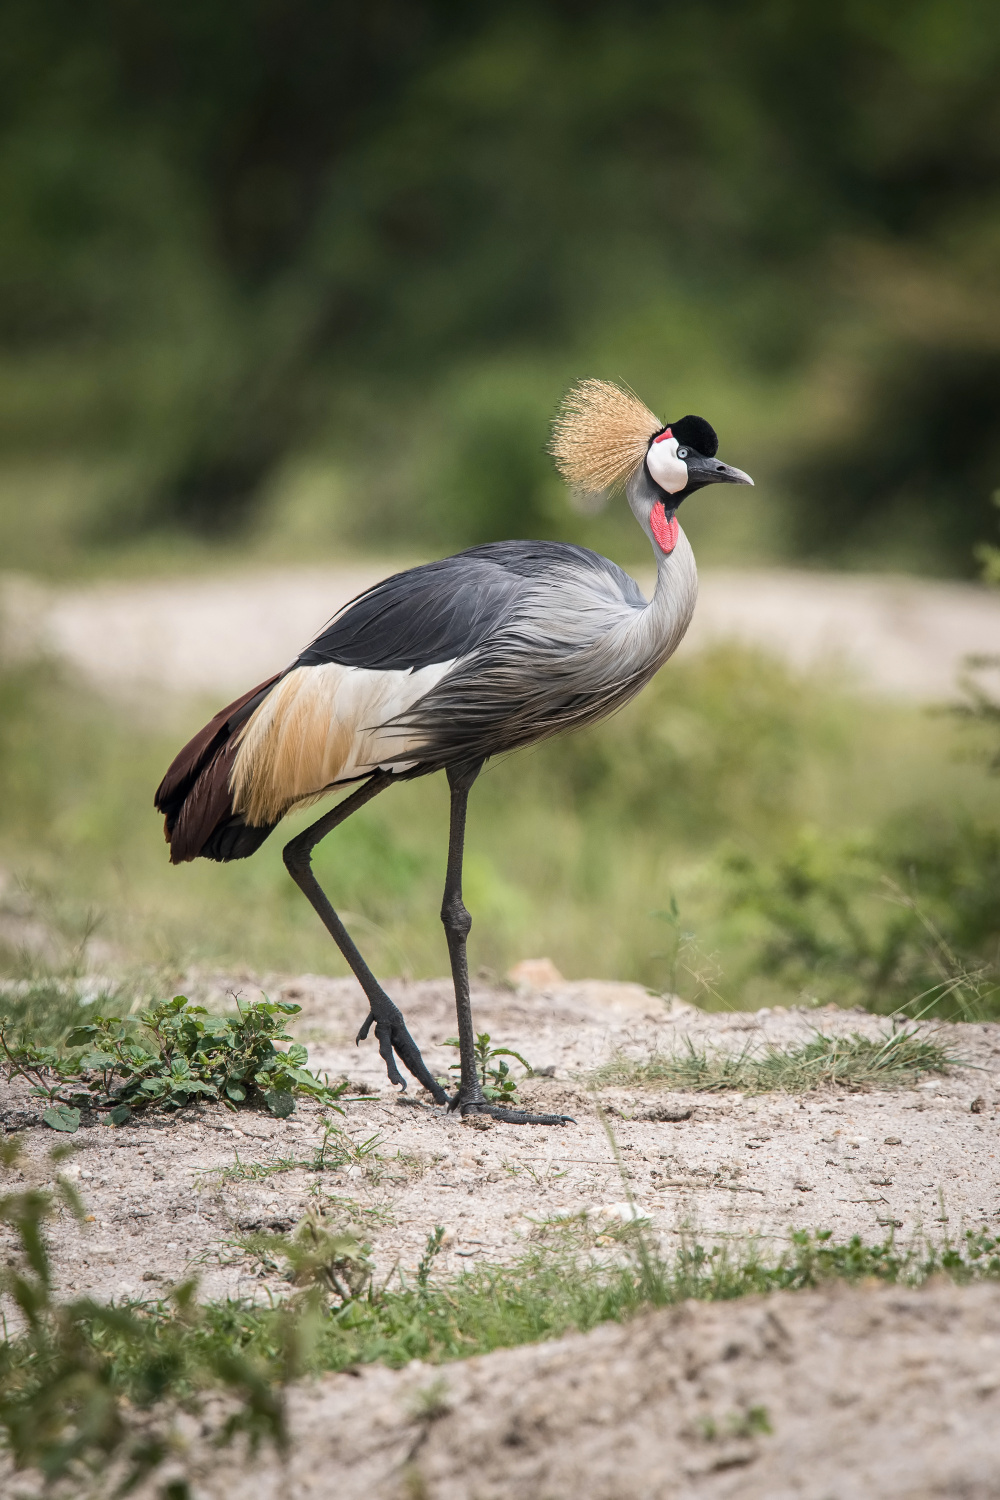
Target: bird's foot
(502,1112)
(395,1041)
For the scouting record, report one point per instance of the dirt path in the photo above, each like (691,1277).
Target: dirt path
(216,636)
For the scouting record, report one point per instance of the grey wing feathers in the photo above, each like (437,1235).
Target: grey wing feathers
(528,626)
(566,655)
(448,609)
(415,619)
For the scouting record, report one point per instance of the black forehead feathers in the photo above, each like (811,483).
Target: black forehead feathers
(696,433)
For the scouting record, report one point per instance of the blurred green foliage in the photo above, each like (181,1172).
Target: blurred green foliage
(324,270)
(709,839)
(906,919)
(61,1406)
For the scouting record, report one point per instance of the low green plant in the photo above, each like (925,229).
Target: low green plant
(255,1171)
(63,1406)
(752,1422)
(898,1057)
(495,1077)
(431,1402)
(321,1257)
(432,1249)
(335,1150)
(164,1059)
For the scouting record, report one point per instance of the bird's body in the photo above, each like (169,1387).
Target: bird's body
(441,667)
(478,654)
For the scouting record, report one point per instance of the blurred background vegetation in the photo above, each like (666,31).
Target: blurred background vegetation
(290,280)
(287,269)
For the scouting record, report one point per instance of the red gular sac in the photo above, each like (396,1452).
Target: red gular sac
(665,532)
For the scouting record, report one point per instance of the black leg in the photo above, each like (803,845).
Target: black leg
(390,1028)
(457,922)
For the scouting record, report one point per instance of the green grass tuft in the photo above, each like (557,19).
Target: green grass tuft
(895,1059)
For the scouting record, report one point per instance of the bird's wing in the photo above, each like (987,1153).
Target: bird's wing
(340,709)
(447,609)
(353,699)
(570,650)
(415,619)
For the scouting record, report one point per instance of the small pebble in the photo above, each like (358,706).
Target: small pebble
(893,1140)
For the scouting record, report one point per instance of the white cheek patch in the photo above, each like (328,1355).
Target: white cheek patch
(669,471)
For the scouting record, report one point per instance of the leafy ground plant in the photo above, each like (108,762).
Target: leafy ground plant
(495,1077)
(167,1057)
(63,1406)
(897,1058)
(326,1260)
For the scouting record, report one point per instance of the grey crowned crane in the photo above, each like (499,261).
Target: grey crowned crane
(442,666)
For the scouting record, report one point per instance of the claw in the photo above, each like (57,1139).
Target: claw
(393,1038)
(386,1041)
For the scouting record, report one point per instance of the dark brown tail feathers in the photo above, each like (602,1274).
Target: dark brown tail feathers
(194,795)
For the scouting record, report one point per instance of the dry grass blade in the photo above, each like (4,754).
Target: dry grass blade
(600,435)
(896,1058)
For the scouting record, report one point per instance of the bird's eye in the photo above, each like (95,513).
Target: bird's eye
(682,453)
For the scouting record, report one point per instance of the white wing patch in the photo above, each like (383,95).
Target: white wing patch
(321,725)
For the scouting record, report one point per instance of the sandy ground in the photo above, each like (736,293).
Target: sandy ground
(915,1159)
(216,636)
(833,1395)
(866,1393)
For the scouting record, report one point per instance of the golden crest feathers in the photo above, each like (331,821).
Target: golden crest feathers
(600,435)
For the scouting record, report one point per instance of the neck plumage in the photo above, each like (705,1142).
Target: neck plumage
(662,624)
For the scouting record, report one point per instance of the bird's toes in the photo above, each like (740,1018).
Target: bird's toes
(513,1116)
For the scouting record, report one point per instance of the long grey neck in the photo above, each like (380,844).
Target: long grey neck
(662,624)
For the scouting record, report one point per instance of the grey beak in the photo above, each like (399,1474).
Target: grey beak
(704,471)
